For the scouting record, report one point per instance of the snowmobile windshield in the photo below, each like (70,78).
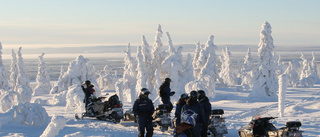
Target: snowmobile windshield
(261,112)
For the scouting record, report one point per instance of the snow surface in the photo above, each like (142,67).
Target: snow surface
(301,104)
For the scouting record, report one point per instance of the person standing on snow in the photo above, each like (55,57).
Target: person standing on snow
(205,103)
(177,114)
(193,104)
(143,109)
(165,93)
(87,91)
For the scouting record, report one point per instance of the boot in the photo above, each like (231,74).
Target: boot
(149,133)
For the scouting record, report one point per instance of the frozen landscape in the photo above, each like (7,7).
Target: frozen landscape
(39,97)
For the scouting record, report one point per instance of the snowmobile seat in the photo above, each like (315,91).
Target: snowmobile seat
(163,106)
(217,112)
(293,124)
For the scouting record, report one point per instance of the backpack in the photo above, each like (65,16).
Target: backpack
(161,94)
(189,117)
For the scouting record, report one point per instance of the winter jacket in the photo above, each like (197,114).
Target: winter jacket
(177,114)
(143,107)
(194,105)
(205,103)
(87,93)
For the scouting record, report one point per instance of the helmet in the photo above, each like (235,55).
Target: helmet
(184,96)
(88,82)
(193,94)
(144,91)
(168,80)
(201,94)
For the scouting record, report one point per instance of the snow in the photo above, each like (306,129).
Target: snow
(54,114)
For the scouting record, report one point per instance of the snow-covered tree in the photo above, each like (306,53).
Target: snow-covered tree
(13,70)
(142,75)
(314,66)
(68,89)
(195,60)
(22,83)
(29,114)
(7,100)
(42,79)
(247,71)
(292,73)
(107,80)
(127,92)
(307,74)
(283,82)
(227,72)
(146,53)
(208,49)
(265,79)
(4,84)
(156,52)
(207,72)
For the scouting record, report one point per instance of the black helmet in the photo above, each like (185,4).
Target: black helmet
(88,82)
(201,94)
(144,91)
(193,94)
(184,96)
(168,79)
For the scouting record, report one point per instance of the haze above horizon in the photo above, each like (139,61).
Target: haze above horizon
(37,23)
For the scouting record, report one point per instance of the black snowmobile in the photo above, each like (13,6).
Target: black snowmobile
(261,126)
(108,110)
(217,126)
(162,117)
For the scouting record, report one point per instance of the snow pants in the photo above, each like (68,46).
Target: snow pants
(166,100)
(145,122)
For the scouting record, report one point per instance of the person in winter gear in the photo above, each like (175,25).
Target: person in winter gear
(87,91)
(205,103)
(165,93)
(181,102)
(193,105)
(143,109)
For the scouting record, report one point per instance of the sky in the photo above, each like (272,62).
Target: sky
(61,23)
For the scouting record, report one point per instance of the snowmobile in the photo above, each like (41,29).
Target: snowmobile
(216,125)
(261,126)
(129,116)
(102,109)
(162,117)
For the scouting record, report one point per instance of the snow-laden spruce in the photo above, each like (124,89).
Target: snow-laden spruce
(4,84)
(265,78)
(42,79)
(125,86)
(205,74)
(227,71)
(22,86)
(106,80)
(247,71)
(13,70)
(308,74)
(68,90)
(292,73)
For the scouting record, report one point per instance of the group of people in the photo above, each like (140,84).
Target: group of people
(143,108)
(196,101)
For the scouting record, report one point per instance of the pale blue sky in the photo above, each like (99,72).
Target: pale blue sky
(107,22)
